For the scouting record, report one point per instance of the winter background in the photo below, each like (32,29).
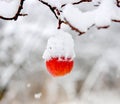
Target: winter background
(95,78)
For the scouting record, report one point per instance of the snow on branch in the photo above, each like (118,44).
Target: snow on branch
(11,9)
(101,17)
(78,2)
(66,12)
(56,8)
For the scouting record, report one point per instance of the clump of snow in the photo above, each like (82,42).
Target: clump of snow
(78,19)
(37,95)
(8,8)
(6,0)
(101,16)
(60,45)
(103,13)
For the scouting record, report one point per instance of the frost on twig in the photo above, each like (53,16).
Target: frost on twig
(101,17)
(11,9)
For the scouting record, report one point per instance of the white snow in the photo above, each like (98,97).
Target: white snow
(37,95)
(97,56)
(8,8)
(101,17)
(103,13)
(59,3)
(80,20)
(61,44)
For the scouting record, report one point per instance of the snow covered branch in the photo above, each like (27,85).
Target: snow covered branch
(78,2)
(66,12)
(55,8)
(18,4)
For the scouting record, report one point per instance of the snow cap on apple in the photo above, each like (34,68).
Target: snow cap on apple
(59,54)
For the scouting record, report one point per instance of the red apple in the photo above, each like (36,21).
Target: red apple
(59,67)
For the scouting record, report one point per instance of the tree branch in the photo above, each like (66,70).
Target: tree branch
(56,12)
(51,8)
(75,3)
(73,28)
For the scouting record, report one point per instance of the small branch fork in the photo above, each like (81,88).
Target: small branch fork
(57,13)
(15,17)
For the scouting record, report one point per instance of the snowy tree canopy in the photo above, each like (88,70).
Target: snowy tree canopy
(68,12)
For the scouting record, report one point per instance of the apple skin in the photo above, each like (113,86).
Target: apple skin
(59,67)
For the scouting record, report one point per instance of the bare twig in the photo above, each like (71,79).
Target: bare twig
(116,20)
(103,27)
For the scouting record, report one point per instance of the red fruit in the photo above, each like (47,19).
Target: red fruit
(59,67)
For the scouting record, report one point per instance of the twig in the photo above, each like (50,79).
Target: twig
(75,3)
(73,28)
(51,8)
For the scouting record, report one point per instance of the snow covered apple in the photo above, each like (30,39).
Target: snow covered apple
(59,54)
